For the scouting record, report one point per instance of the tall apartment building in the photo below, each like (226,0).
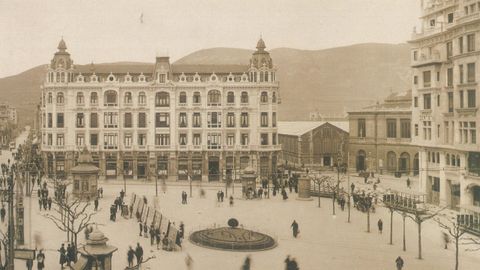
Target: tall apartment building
(445,66)
(380,137)
(207,122)
(8,123)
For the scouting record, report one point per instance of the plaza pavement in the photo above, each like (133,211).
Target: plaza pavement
(325,242)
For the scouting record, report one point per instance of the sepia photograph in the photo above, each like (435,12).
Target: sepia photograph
(239,135)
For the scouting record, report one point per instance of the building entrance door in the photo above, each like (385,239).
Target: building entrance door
(327,161)
(361,161)
(213,169)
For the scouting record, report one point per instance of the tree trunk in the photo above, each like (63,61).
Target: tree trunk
(368,219)
(419,223)
(456,252)
(391,226)
(404,241)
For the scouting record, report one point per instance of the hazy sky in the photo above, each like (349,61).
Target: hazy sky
(111,30)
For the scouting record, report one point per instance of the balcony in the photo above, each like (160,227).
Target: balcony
(424,60)
(427,33)
(468,18)
(467,111)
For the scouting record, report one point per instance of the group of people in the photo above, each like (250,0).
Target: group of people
(44,201)
(68,255)
(137,254)
(118,204)
(220,196)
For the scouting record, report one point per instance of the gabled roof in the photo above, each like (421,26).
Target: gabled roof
(298,128)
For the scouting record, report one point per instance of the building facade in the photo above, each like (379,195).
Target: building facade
(380,137)
(313,144)
(445,53)
(8,123)
(204,122)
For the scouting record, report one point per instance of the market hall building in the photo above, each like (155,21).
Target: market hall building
(175,122)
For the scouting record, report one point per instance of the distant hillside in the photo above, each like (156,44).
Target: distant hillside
(329,81)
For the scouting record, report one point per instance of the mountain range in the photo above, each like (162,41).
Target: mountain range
(330,81)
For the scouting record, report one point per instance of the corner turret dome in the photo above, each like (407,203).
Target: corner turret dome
(62,46)
(261,45)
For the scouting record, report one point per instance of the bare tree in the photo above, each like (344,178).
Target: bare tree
(71,217)
(455,230)
(419,216)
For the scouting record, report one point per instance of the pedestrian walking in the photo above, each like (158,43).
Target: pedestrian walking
(222,195)
(95,203)
(145,230)
(40,203)
(247,263)
(294,227)
(130,255)
(63,258)
(140,225)
(29,264)
(231,201)
(399,263)
(408,182)
(40,260)
(69,255)
(3,212)
(380,225)
(446,239)
(49,203)
(152,235)
(157,238)
(139,253)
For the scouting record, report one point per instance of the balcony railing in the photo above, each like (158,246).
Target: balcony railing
(424,60)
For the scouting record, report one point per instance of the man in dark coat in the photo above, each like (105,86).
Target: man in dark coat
(399,263)
(130,255)
(63,257)
(69,254)
(3,213)
(95,202)
(140,225)
(152,235)
(380,225)
(139,254)
(294,228)
(49,201)
(40,260)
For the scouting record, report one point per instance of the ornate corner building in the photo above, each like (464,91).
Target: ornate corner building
(444,58)
(141,121)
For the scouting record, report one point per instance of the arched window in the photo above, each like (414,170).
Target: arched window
(261,76)
(183,98)
(57,76)
(244,97)
(162,99)
(60,98)
(80,98)
(110,98)
(128,98)
(93,98)
(196,98)
(264,97)
(230,97)
(50,98)
(274,97)
(453,160)
(447,159)
(438,157)
(458,161)
(142,99)
(214,98)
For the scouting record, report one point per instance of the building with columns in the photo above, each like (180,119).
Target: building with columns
(207,122)
(445,113)
(380,137)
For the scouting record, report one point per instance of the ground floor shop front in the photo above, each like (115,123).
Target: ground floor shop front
(171,166)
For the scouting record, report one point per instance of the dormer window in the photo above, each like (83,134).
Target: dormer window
(141,78)
(230,77)
(128,78)
(80,78)
(183,78)
(213,78)
(162,78)
(196,78)
(94,78)
(111,78)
